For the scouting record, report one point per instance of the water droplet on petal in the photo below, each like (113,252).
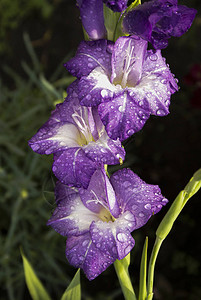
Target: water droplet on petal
(164,81)
(104,93)
(153,57)
(130,132)
(141,215)
(147,206)
(122,237)
(130,217)
(121,109)
(160,112)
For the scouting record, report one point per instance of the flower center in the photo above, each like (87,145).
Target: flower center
(80,117)
(105,215)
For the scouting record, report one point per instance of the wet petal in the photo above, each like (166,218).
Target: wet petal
(156,21)
(90,54)
(127,59)
(123,116)
(156,85)
(96,88)
(70,217)
(105,150)
(100,195)
(73,167)
(113,238)
(133,194)
(91,12)
(51,139)
(82,253)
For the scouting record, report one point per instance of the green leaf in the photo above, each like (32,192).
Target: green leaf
(73,292)
(143,272)
(35,287)
(121,268)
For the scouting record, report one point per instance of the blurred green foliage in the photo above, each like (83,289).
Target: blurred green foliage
(13,13)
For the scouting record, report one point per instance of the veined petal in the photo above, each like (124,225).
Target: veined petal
(89,55)
(100,196)
(105,150)
(134,195)
(96,88)
(51,139)
(156,85)
(71,217)
(113,238)
(73,167)
(91,12)
(82,253)
(123,116)
(127,59)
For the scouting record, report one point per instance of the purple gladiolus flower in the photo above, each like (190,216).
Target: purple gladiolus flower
(98,221)
(91,12)
(77,137)
(158,20)
(125,80)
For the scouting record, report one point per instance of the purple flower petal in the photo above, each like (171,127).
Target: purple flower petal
(82,253)
(117,5)
(71,217)
(133,194)
(156,84)
(156,21)
(127,59)
(105,150)
(91,12)
(73,167)
(100,195)
(90,55)
(96,88)
(123,117)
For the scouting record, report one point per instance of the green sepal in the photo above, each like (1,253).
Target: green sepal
(143,273)
(111,20)
(73,291)
(35,287)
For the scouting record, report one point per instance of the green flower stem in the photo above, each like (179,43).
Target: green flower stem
(152,263)
(166,224)
(121,268)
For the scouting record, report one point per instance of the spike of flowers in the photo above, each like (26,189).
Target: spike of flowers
(125,81)
(158,20)
(77,137)
(98,221)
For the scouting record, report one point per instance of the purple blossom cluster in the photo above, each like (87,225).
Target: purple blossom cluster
(119,85)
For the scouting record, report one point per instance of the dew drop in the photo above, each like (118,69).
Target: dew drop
(153,57)
(130,132)
(121,237)
(88,97)
(160,112)
(121,108)
(147,206)
(104,93)
(141,215)
(164,81)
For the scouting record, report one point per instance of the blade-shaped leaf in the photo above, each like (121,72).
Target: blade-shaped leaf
(35,287)
(143,272)
(73,291)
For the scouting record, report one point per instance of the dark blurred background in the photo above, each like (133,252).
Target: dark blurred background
(36,38)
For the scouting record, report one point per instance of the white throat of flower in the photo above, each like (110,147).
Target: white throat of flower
(80,117)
